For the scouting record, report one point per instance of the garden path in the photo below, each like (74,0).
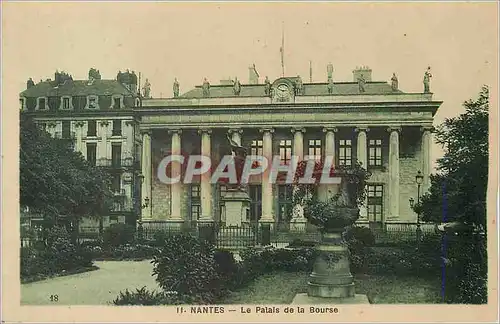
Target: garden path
(97,287)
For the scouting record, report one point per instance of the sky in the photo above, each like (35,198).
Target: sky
(191,41)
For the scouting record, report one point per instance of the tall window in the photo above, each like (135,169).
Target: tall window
(195,202)
(92,128)
(284,203)
(91,153)
(285,151)
(375,152)
(315,149)
(345,152)
(116,183)
(375,202)
(255,192)
(66,104)
(66,129)
(116,154)
(256,148)
(42,103)
(117,128)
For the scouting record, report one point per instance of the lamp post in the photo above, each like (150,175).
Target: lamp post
(140,206)
(419,178)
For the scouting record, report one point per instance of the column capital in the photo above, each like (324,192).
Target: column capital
(362,129)
(175,131)
(330,129)
(266,130)
(204,131)
(427,128)
(104,123)
(146,132)
(298,129)
(235,130)
(391,129)
(129,122)
(79,124)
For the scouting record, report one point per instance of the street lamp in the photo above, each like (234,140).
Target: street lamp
(140,205)
(419,178)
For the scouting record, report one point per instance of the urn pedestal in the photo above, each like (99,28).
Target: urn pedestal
(331,281)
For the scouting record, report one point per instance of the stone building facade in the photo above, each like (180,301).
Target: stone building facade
(98,115)
(375,123)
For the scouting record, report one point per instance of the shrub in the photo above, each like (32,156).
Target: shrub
(358,240)
(227,268)
(298,243)
(147,298)
(58,254)
(256,262)
(118,234)
(187,265)
(467,270)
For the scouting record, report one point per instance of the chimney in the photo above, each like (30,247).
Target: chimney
(253,75)
(365,71)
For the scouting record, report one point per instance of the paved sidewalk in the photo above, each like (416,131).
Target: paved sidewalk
(97,287)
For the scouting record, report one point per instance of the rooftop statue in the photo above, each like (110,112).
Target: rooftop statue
(427,80)
(206,88)
(267,88)
(361,83)
(236,87)
(299,86)
(176,88)
(394,82)
(330,86)
(146,89)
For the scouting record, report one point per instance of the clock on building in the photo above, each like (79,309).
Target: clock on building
(283,93)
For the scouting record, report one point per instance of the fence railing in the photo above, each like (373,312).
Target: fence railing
(246,235)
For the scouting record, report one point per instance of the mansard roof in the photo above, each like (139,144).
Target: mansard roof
(77,88)
(310,89)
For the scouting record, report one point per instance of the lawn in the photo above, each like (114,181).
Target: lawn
(280,288)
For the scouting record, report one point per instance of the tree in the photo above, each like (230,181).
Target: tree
(56,181)
(458,190)
(458,195)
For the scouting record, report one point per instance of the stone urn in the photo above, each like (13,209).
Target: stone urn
(331,275)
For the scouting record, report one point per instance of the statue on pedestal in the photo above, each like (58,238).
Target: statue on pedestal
(239,154)
(394,82)
(176,88)
(206,88)
(361,83)
(427,80)
(267,88)
(236,87)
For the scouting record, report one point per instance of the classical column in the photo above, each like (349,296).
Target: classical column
(267,188)
(426,156)
(146,172)
(298,142)
(394,172)
(330,141)
(205,185)
(176,188)
(326,191)
(298,221)
(235,134)
(362,157)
